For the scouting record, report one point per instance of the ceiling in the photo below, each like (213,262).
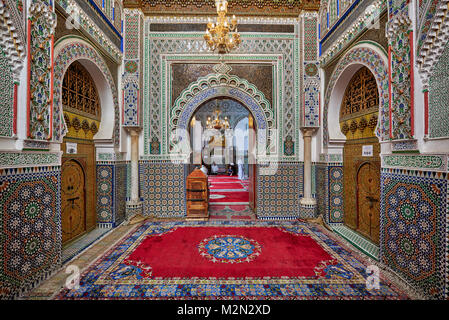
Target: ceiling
(287,8)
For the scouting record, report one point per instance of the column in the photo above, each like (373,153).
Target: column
(308,207)
(134,205)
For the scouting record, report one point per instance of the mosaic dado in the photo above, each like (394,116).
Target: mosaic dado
(158,180)
(30,219)
(414,227)
(23,159)
(111,193)
(416,162)
(278,194)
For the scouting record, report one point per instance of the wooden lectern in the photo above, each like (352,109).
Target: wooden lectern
(197,196)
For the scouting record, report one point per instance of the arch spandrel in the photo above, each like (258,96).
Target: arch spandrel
(223,85)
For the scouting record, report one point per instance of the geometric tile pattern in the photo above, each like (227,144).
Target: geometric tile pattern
(105,195)
(30,220)
(322,190)
(130,104)
(131,34)
(157,45)
(111,193)
(336,209)
(413,214)
(130,80)
(310,96)
(162,189)
(278,194)
(120,185)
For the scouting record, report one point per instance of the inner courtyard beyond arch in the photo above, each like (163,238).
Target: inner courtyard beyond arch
(224,150)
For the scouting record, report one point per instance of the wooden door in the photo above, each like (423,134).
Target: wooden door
(368,193)
(73,208)
(361,178)
(252,166)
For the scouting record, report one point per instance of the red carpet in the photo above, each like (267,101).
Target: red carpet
(237,252)
(239,196)
(226,185)
(222,178)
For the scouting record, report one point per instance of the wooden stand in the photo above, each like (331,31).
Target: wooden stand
(197,196)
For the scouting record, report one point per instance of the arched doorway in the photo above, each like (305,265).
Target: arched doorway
(361,160)
(82,115)
(225,150)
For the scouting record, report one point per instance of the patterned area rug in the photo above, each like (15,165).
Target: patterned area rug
(135,267)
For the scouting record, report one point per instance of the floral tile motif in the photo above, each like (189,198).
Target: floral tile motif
(162,189)
(412,238)
(30,218)
(278,195)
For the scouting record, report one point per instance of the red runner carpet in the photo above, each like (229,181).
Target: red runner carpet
(227,185)
(222,178)
(229,252)
(230,196)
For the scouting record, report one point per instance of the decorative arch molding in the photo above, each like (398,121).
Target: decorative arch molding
(219,85)
(12,35)
(432,37)
(366,54)
(68,50)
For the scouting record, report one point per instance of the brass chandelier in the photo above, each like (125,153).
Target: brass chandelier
(223,35)
(217,123)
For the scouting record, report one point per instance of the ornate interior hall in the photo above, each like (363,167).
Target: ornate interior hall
(213,149)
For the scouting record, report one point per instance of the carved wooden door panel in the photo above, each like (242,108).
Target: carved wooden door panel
(368,194)
(73,208)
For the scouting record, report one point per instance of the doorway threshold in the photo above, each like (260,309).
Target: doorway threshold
(76,247)
(357,240)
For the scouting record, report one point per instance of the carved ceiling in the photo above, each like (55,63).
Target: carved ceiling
(290,8)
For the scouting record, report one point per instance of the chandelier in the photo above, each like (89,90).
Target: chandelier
(223,35)
(217,123)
